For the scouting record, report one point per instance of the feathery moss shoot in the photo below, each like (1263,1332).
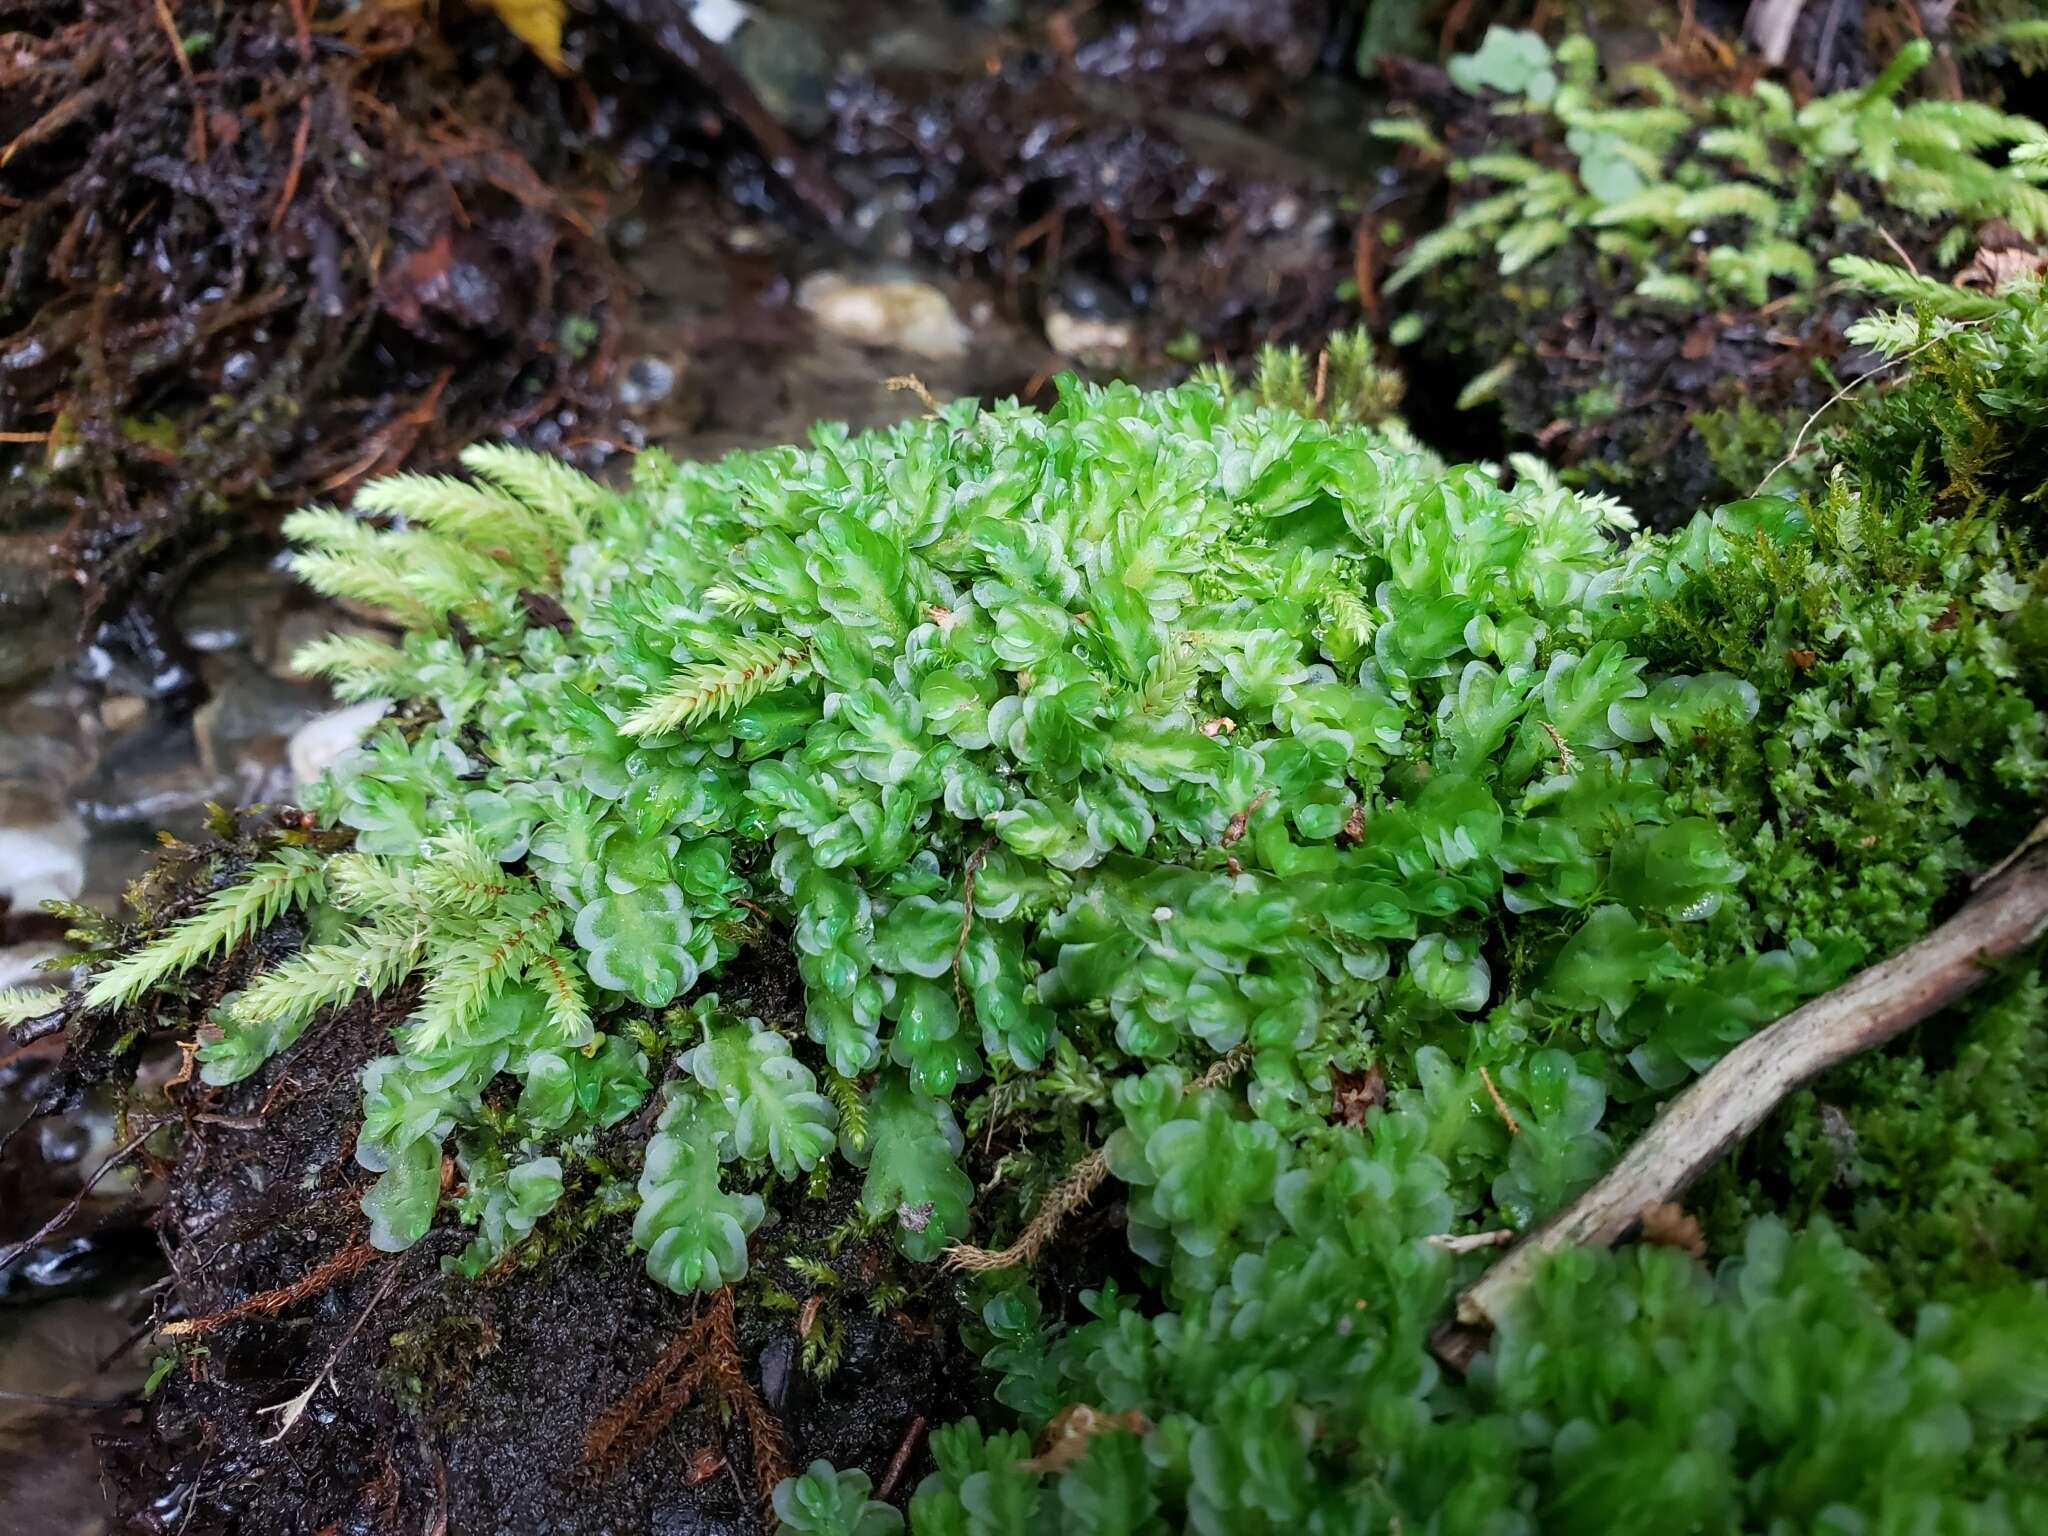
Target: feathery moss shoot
(1071,752)
(1637,266)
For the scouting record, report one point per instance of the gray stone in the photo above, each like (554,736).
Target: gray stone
(1096,340)
(644,381)
(42,847)
(154,784)
(123,712)
(249,711)
(789,69)
(232,606)
(36,622)
(322,742)
(45,740)
(899,313)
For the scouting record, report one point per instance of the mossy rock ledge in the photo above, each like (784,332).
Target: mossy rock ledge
(1219,852)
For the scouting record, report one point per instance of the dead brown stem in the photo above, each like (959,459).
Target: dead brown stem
(290,189)
(67,111)
(170,26)
(764,1430)
(1500,1105)
(901,1460)
(1075,1190)
(1243,819)
(630,1424)
(332,1271)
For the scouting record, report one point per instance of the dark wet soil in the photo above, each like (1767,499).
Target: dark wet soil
(467,1406)
(1076,181)
(256,253)
(1671,409)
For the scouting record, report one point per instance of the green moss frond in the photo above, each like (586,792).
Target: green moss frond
(366,885)
(374,959)
(487,519)
(291,877)
(563,991)
(1899,286)
(852,1106)
(1407,130)
(356,666)
(460,876)
(1735,200)
(472,966)
(746,668)
(20,1004)
(1431,251)
(567,499)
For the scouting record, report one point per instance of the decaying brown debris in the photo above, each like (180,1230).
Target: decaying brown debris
(251,254)
(707,1351)
(351,1260)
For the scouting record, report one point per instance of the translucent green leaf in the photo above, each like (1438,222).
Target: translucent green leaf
(638,943)
(769,1097)
(913,1176)
(693,1231)
(402,1201)
(825,1502)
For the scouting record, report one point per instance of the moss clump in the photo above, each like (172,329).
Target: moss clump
(1124,779)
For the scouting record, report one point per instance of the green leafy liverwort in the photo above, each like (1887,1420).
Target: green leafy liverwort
(1064,754)
(1726,198)
(1127,734)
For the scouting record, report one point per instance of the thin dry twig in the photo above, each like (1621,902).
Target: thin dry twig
(67,111)
(290,189)
(2003,917)
(1799,441)
(901,1460)
(1471,1242)
(1500,1105)
(915,385)
(294,1409)
(1911,265)
(56,1222)
(170,26)
(302,32)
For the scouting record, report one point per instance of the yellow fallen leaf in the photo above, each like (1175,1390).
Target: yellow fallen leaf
(538,24)
(1064,1440)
